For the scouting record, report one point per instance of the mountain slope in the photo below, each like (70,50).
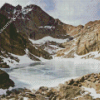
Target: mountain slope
(90,38)
(85,43)
(34,22)
(17,43)
(33,25)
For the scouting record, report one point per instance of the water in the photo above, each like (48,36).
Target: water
(51,73)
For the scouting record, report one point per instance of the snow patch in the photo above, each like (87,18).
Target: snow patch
(25,11)
(2,91)
(22,60)
(96,54)
(25,98)
(48,38)
(92,92)
(70,50)
(52,49)
(14,11)
(47,27)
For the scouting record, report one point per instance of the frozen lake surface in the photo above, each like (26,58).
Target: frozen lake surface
(51,73)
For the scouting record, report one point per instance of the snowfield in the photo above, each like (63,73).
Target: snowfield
(48,38)
(92,92)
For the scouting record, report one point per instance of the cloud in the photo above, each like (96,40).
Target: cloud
(49,5)
(24,2)
(76,11)
(73,12)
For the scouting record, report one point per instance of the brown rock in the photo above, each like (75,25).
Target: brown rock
(71,82)
(81,79)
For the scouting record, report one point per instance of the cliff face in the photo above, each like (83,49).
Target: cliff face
(90,38)
(10,40)
(73,30)
(86,40)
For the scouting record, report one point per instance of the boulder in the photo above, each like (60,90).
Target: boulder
(82,79)
(71,82)
(4,65)
(5,81)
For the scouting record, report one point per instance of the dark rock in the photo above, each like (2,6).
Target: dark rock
(31,95)
(18,7)
(79,85)
(5,81)
(50,93)
(71,82)
(75,84)
(8,92)
(81,79)
(4,65)
(43,88)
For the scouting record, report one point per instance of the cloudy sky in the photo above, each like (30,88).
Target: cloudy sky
(73,12)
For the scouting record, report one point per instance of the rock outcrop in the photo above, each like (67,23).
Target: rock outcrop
(5,81)
(85,41)
(90,38)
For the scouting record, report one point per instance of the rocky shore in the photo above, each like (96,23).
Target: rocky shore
(74,89)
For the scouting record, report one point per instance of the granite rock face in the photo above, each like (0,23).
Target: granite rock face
(89,39)
(86,40)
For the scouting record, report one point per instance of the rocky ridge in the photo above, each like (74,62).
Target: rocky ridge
(34,22)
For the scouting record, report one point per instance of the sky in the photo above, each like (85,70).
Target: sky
(74,12)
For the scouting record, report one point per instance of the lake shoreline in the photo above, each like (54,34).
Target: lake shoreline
(76,89)
(79,84)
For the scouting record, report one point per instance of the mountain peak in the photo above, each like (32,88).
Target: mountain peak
(33,6)
(7,5)
(18,7)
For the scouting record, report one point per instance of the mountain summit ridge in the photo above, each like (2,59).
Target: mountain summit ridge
(32,18)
